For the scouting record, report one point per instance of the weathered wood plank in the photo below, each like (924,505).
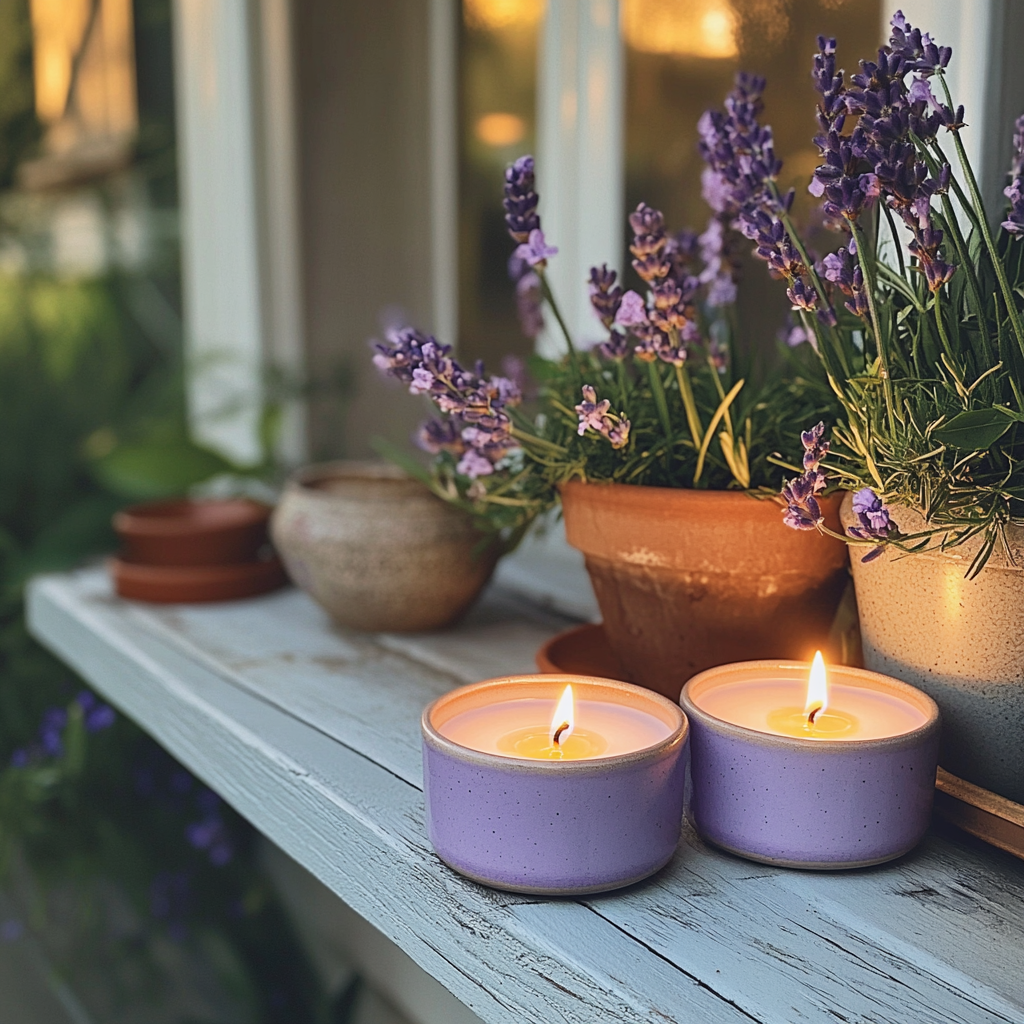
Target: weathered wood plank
(359,828)
(937,937)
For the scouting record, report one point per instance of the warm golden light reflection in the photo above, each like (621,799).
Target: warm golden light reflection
(681,28)
(95,49)
(500,129)
(495,15)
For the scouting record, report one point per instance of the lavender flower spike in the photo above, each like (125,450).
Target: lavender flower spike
(1014,222)
(874,521)
(815,448)
(521,199)
(800,495)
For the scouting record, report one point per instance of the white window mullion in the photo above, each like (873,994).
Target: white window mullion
(580,159)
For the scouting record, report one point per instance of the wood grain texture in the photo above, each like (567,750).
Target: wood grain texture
(312,734)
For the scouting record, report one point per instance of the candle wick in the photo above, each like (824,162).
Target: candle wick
(559,731)
(814,714)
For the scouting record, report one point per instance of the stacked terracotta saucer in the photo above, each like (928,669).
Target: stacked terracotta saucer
(186,551)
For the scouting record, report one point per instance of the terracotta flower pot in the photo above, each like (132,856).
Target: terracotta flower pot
(186,532)
(959,640)
(377,550)
(687,580)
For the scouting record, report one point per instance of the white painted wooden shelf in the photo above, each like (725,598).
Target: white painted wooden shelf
(313,734)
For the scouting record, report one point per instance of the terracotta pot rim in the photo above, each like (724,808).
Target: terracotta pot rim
(913,737)
(692,494)
(588,766)
(176,517)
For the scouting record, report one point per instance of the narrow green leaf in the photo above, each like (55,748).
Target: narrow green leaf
(974,429)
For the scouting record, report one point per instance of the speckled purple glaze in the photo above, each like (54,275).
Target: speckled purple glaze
(559,828)
(805,803)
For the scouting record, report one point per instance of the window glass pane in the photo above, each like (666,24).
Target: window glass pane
(681,56)
(498,71)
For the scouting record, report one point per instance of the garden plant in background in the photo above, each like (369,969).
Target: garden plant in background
(917,318)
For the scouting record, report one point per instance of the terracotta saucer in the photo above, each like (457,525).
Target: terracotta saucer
(582,650)
(185,532)
(194,584)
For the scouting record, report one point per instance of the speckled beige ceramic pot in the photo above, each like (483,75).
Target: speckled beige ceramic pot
(377,550)
(959,640)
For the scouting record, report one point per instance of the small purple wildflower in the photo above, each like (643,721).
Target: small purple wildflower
(11,930)
(595,415)
(874,522)
(521,199)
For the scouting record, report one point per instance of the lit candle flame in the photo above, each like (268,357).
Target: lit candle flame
(817,689)
(564,720)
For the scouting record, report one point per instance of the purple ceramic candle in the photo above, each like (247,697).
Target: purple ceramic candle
(605,813)
(778,780)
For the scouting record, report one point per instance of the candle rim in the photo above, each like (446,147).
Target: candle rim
(888,684)
(679,726)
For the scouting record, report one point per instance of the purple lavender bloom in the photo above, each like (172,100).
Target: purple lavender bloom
(874,522)
(815,448)
(843,270)
(521,199)
(802,295)
(925,247)
(474,465)
(605,294)
(595,415)
(11,930)
(632,310)
(51,730)
(100,718)
(616,347)
(683,249)
(916,49)
(437,436)
(1014,222)
(718,272)
(802,509)
(649,243)
(793,334)
(529,305)
(20,758)
(535,251)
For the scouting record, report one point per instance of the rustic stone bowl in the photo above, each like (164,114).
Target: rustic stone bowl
(377,550)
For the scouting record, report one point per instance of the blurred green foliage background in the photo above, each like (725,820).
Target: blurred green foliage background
(140,888)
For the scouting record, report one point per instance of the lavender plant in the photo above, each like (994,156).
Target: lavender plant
(917,316)
(660,401)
